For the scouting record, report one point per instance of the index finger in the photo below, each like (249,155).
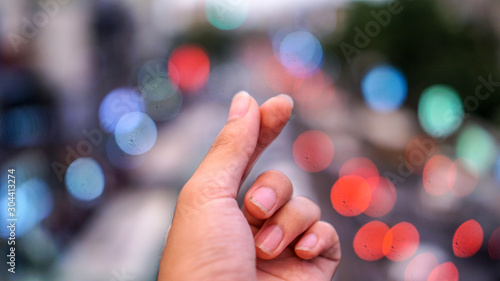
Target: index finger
(274,115)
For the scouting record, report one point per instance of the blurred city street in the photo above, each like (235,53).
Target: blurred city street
(107,107)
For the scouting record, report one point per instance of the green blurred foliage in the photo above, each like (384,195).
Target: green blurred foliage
(430,47)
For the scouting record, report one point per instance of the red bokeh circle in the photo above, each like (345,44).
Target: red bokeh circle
(446,271)
(494,245)
(439,175)
(189,68)
(359,166)
(313,151)
(401,242)
(383,197)
(350,195)
(368,241)
(468,239)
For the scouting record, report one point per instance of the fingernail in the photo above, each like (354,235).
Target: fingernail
(239,106)
(289,98)
(269,239)
(264,198)
(307,242)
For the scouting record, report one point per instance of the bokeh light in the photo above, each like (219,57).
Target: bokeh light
(119,158)
(118,103)
(359,166)
(383,196)
(401,242)
(368,241)
(226,14)
(136,133)
(420,267)
(276,34)
(477,148)
(34,202)
(85,179)
(189,68)
(400,120)
(446,271)
(468,239)
(29,164)
(153,82)
(440,111)
(439,175)
(350,195)
(384,88)
(28,125)
(313,151)
(418,151)
(43,201)
(39,246)
(301,53)
(166,109)
(162,98)
(494,245)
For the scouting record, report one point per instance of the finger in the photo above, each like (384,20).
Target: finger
(274,114)
(270,191)
(320,239)
(220,173)
(254,223)
(295,217)
(320,243)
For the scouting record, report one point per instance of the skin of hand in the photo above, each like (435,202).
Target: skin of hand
(272,237)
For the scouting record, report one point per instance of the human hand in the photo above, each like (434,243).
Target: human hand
(272,237)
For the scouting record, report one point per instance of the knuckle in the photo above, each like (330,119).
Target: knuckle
(205,188)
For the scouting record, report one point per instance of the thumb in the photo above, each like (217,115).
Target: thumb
(220,173)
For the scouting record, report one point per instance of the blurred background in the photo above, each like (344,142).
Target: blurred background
(107,107)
